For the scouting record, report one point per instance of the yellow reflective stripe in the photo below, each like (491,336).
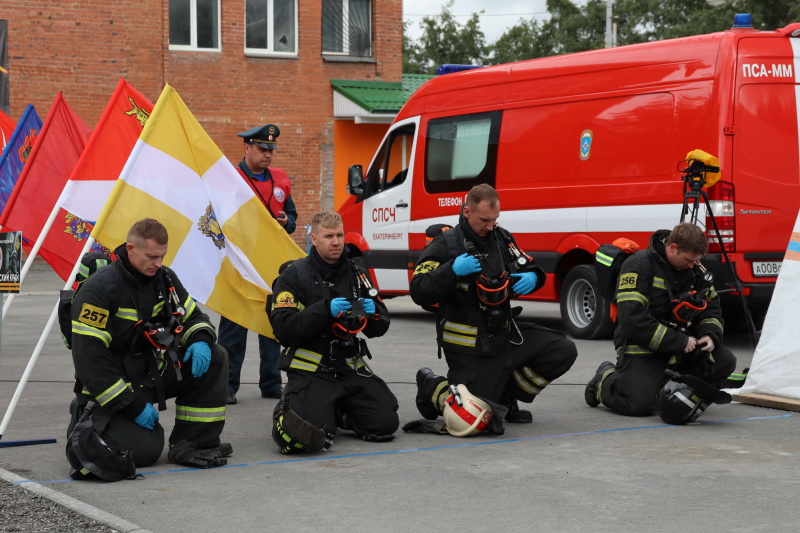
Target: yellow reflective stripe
(658,336)
(603,259)
(79,328)
(189,332)
(461,328)
(305,360)
(199,414)
(633,349)
(126,313)
(112,392)
(712,293)
(712,322)
(459,339)
(659,283)
(189,305)
(529,381)
(355,362)
(630,296)
(157,308)
(462,286)
(440,394)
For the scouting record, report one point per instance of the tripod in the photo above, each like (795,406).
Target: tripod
(694,180)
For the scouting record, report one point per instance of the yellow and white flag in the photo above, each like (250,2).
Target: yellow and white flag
(223,243)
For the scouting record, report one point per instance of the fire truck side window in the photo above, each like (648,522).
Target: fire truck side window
(461,151)
(390,167)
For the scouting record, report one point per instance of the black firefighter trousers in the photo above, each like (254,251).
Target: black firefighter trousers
(199,412)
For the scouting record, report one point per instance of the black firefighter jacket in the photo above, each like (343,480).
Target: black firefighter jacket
(646,321)
(463,327)
(301,319)
(103,337)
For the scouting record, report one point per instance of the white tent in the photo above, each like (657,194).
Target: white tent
(775,369)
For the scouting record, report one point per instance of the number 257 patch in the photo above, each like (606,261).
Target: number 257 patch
(93,315)
(628,281)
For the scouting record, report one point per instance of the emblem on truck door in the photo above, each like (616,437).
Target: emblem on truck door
(586,144)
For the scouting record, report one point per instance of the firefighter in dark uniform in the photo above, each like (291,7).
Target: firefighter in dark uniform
(321,303)
(471,271)
(272,186)
(118,366)
(669,317)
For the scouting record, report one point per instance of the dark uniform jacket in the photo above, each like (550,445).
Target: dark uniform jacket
(463,326)
(301,319)
(102,337)
(646,321)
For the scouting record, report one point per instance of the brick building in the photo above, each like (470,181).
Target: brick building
(236,63)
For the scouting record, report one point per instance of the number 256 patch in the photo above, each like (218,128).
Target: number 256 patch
(628,281)
(93,316)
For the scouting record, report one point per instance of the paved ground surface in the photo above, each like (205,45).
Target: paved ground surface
(574,469)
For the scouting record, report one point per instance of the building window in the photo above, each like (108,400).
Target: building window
(271,26)
(194,24)
(347,27)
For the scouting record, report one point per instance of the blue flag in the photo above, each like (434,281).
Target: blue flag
(17,151)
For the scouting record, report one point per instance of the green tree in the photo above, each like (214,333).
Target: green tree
(444,40)
(572,28)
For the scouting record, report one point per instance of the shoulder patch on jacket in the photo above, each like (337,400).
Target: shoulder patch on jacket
(284,299)
(628,280)
(93,316)
(427,266)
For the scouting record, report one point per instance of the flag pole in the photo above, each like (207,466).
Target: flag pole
(32,362)
(32,255)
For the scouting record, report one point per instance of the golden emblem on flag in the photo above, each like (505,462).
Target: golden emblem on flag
(140,114)
(209,225)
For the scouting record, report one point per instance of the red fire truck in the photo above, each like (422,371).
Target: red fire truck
(584,148)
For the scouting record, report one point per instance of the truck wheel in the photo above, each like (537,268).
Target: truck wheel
(586,314)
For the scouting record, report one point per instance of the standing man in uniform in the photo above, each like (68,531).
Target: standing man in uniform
(669,318)
(323,301)
(274,189)
(471,271)
(119,315)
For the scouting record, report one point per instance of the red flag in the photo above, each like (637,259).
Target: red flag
(56,151)
(111,143)
(7,126)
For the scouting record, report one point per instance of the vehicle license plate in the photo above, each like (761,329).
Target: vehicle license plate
(763,269)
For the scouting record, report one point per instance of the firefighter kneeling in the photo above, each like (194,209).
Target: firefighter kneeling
(322,303)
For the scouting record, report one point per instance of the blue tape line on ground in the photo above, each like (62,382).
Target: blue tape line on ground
(325,457)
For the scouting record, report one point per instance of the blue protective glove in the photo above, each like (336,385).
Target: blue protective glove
(200,352)
(466,264)
(369,305)
(148,417)
(339,306)
(526,283)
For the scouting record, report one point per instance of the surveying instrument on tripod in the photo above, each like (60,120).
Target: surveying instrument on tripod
(702,171)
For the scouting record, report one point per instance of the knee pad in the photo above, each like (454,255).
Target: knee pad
(293,434)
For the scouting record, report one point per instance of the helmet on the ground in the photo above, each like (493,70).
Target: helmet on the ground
(465,414)
(678,403)
(90,455)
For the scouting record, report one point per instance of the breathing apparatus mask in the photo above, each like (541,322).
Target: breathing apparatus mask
(493,291)
(690,303)
(351,323)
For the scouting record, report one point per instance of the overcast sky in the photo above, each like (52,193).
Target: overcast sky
(497,17)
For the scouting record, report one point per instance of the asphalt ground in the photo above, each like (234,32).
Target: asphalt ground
(575,468)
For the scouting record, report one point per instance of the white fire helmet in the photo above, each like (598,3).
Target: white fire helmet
(471,416)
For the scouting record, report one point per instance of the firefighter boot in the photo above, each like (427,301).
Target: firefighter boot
(592,392)
(515,415)
(429,387)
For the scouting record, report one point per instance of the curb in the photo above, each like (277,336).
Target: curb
(78,506)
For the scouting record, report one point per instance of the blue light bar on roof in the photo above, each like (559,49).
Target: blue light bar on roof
(449,69)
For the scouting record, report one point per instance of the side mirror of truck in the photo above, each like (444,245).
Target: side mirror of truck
(355,180)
